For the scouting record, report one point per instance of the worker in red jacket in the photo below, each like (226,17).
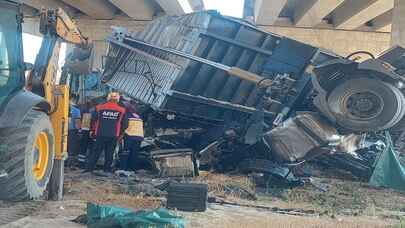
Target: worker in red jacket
(110,124)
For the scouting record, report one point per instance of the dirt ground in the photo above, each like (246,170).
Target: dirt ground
(334,203)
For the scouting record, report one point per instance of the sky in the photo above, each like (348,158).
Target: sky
(31,46)
(226,7)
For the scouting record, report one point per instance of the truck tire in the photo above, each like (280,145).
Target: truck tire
(27,156)
(365,104)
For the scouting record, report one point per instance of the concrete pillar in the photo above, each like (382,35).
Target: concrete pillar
(267,11)
(398,24)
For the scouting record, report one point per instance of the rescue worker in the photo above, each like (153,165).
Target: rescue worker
(85,140)
(110,123)
(133,137)
(73,127)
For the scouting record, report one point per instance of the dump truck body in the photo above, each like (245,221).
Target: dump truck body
(188,87)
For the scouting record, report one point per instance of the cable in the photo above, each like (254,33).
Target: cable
(360,52)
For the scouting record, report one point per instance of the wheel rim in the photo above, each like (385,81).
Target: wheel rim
(41,156)
(363,105)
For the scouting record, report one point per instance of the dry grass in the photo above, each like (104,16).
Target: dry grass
(290,222)
(226,186)
(100,192)
(346,197)
(343,199)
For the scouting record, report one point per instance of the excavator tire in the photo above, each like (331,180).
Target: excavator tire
(26,156)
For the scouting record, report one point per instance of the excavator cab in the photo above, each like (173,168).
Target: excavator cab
(11,54)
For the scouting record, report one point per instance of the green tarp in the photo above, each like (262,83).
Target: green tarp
(99,216)
(388,171)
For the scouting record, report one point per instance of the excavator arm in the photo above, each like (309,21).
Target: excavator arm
(60,24)
(56,27)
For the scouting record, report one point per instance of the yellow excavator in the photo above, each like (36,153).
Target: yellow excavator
(33,109)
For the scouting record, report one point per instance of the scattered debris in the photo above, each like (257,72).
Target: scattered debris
(287,211)
(259,104)
(281,172)
(123,173)
(81,219)
(142,189)
(277,100)
(174,162)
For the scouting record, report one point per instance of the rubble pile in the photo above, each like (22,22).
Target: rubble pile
(221,94)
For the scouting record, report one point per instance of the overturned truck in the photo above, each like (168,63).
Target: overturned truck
(234,86)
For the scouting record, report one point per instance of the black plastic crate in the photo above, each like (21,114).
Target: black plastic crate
(187,197)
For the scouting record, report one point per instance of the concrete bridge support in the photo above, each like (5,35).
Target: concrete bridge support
(398,24)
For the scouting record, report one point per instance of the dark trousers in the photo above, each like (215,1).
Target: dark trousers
(129,154)
(106,144)
(86,148)
(85,141)
(73,142)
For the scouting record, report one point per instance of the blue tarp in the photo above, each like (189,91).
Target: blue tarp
(99,216)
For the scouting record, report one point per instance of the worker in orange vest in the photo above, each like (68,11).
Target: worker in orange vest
(133,137)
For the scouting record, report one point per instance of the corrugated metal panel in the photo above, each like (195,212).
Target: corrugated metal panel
(202,90)
(145,77)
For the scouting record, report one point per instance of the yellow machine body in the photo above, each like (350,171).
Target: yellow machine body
(56,27)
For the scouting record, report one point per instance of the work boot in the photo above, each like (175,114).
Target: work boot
(87,171)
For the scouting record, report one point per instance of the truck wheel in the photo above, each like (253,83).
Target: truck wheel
(365,104)
(27,156)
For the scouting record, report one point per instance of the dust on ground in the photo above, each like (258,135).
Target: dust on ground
(339,203)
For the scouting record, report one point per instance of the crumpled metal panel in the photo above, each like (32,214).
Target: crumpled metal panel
(145,77)
(293,140)
(396,58)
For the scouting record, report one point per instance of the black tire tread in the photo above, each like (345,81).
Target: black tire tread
(14,187)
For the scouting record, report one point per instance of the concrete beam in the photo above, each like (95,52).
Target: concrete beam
(98,30)
(267,11)
(49,4)
(197,5)
(382,20)
(386,29)
(97,9)
(171,7)
(342,42)
(309,13)
(28,10)
(355,13)
(135,9)
(398,22)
